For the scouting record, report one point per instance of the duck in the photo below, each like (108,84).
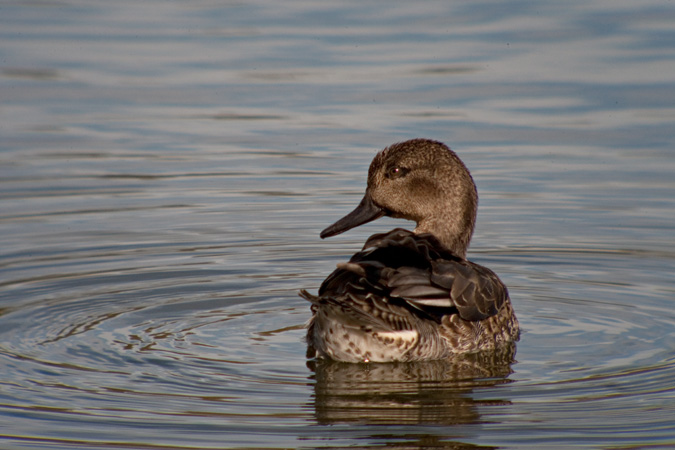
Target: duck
(412,295)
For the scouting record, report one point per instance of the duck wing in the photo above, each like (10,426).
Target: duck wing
(399,272)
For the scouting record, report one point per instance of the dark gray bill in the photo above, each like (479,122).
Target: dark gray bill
(367,211)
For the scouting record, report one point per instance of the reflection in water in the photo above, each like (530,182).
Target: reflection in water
(427,392)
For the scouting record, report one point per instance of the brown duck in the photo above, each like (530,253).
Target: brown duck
(411,296)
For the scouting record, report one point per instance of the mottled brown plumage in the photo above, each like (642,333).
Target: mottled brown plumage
(410,296)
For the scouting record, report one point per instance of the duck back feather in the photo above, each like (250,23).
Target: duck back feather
(407,285)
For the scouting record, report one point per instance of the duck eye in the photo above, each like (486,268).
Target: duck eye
(396,172)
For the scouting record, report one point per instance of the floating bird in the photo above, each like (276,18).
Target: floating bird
(412,295)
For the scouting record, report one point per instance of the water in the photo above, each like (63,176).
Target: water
(165,168)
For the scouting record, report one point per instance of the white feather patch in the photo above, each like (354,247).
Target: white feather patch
(404,335)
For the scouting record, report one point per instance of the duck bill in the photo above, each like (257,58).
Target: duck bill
(367,211)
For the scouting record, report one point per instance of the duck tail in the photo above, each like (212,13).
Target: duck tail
(313,299)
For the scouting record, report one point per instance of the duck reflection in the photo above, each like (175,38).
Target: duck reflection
(422,392)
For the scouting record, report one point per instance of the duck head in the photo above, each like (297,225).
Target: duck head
(420,180)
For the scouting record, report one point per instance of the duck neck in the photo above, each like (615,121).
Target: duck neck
(454,231)
(457,243)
